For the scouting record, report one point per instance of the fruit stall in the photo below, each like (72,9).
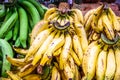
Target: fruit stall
(59,40)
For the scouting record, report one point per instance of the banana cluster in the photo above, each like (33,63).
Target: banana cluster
(102,23)
(56,47)
(18,20)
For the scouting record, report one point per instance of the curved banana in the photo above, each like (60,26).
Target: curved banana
(101,64)
(49,12)
(77,47)
(43,48)
(117,56)
(38,42)
(57,52)
(57,43)
(111,65)
(65,51)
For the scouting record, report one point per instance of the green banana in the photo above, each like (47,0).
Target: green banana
(7,24)
(23,26)
(6,50)
(9,35)
(2,10)
(17,42)
(8,14)
(31,10)
(16,30)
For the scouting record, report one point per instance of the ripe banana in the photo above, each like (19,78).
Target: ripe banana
(65,50)
(53,46)
(101,64)
(32,77)
(111,65)
(43,48)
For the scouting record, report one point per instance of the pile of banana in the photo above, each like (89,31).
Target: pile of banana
(18,19)
(100,60)
(56,48)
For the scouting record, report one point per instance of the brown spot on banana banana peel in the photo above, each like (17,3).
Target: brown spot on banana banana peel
(107,41)
(39,69)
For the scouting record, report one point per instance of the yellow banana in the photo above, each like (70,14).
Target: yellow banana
(89,59)
(115,22)
(77,73)
(52,16)
(27,71)
(40,26)
(88,14)
(49,12)
(65,51)
(117,57)
(95,36)
(82,35)
(96,16)
(15,61)
(32,77)
(13,76)
(20,50)
(57,52)
(54,45)
(101,64)
(75,57)
(68,72)
(111,65)
(43,48)
(55,74)
(92,59)
(37,42)
(77,47)
(107,27)
(79,15)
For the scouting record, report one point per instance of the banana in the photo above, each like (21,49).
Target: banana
(89,59)
(111,65)
(108,27)
(13,76)
(20,50)
(68,72)
(16,30)
(115,22)
(88,14)
(95,36)
(8,23)
(40,26)
(38,42)
(65,51)
(27,71)
(101,64)
(32,77)
(31,9)
(53,46)
(96,16)
(57,52)
(79,15)
(75,57)
(52,16)
(77,47)
(49,12)
(77,73)
(82,35)
(2,10)
(23,26)
(117,55)
(9,35)
(43,48)
(55,74)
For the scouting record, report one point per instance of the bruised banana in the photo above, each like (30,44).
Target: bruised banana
(101,64)
(43,48)
(65,50)
(111,65)
(53,46)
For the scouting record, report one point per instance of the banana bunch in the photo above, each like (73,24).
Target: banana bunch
(17,21)
(102,23)
(57,45)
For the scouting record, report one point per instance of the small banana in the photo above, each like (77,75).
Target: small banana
(111,65)
(43,48)
(37,42)
(49,12)
(57,52)
(117,56)
(65,51)
(101,64)
(57,43)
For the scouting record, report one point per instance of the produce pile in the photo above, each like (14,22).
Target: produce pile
(65,45)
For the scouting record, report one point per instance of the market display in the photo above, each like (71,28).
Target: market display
(58,43)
